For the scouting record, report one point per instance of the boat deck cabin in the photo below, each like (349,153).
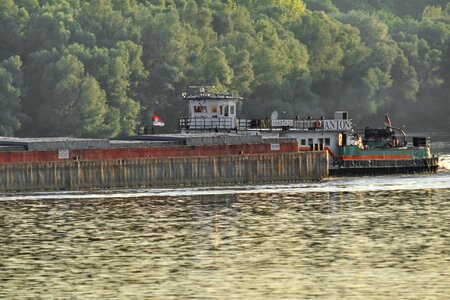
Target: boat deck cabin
(210,111)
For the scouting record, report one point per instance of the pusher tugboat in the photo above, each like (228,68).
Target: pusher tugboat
(369,152)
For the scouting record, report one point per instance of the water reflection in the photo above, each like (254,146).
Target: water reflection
(347,244)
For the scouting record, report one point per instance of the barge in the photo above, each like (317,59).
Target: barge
(154,161)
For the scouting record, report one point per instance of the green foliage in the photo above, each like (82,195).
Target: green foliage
(74,104)
(10,92)
(434,12)
(99,68)
(399,7)
(294,7)
(326,6)
(44,31)
(216,68)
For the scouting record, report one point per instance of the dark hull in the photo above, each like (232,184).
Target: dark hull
(385,167)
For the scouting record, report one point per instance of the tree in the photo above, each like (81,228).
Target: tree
(433,12)
(75,104)
(64,100)
(321,35)
(106,24)
(119,89)
(216,69)
(10,29)
(326,6)
(242,68)
(44,32)
(288,9)
(10,92)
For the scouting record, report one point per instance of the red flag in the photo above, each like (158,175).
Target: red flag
(157,121)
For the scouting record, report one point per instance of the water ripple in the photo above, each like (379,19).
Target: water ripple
(344,243)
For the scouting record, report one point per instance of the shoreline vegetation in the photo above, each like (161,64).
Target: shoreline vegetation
(100,68)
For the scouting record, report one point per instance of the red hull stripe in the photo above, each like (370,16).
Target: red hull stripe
(146,152)
(376,157)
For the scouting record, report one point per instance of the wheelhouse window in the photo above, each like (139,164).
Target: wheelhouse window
(327,141)
(303,142)
(200,109)
(232,110)
(310,141)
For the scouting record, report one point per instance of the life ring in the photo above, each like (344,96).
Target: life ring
(318,124)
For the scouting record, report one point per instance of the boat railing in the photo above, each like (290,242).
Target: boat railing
(207,124)
(264,124)
(282,124)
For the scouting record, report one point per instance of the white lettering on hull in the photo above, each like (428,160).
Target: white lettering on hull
(325,125)
(337,124)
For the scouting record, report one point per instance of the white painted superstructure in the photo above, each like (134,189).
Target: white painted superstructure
(216,112)
(210,111)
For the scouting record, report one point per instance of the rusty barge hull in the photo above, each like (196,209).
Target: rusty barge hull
(127,165)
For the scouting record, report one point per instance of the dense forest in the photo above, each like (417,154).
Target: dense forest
(98,68)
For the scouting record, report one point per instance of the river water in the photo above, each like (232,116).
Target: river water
(382,237)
